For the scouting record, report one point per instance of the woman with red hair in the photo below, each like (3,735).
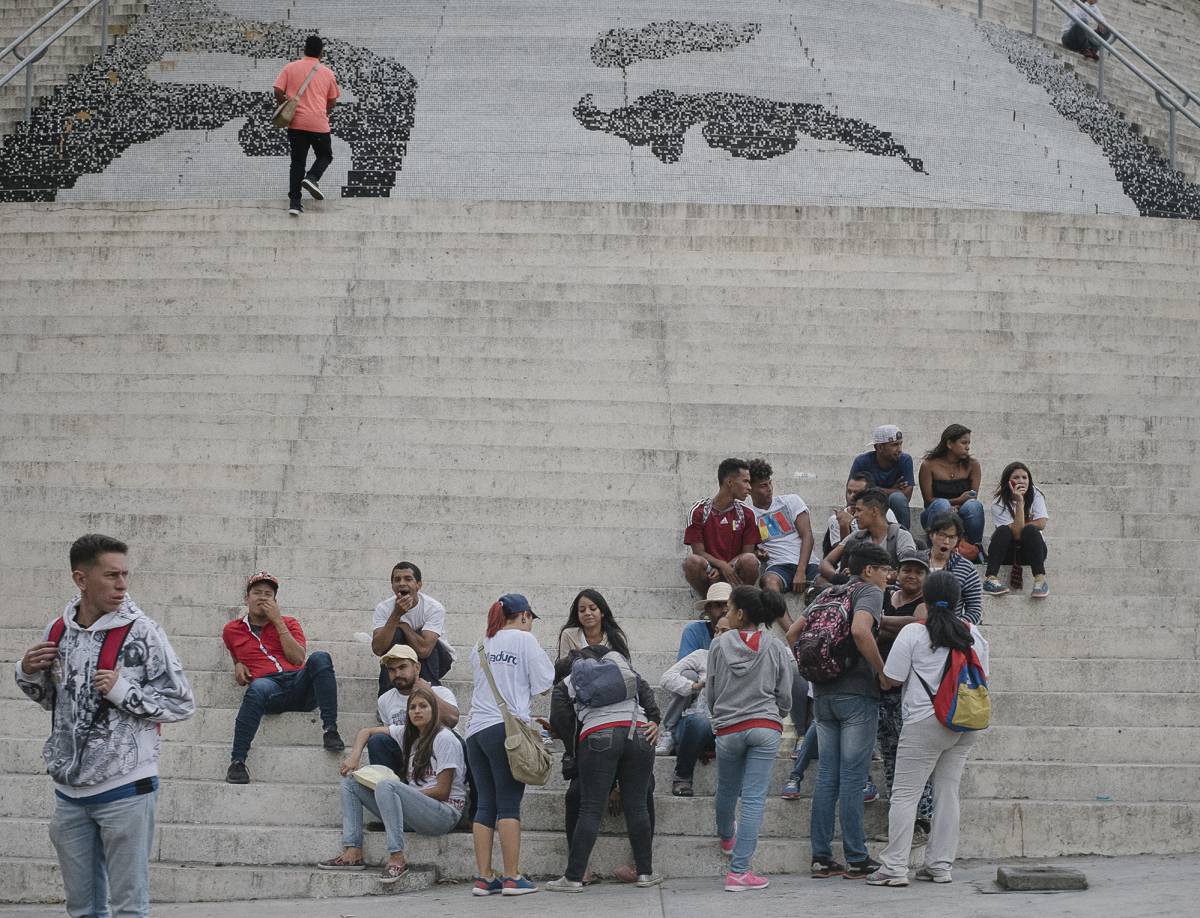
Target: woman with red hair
(521,670)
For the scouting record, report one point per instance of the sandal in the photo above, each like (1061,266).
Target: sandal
(392,872)
(340,863)
(682,789)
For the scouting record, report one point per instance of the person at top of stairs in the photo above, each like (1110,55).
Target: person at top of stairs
(1075,37)
(721,533)
(315,90)
(889,468)
(269,658)
(108,698)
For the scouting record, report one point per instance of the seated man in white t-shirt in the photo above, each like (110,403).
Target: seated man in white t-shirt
(410,617)
(784,531)
(383,743)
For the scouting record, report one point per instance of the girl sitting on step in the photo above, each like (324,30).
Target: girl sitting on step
(1019,512)
(949,478)
(428,798)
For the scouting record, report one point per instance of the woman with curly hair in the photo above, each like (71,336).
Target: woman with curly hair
(590,622)
(949,479)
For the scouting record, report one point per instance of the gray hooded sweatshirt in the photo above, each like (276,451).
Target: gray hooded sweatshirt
(97,744)
(749,678)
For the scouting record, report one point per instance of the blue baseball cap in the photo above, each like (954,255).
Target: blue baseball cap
(515,604)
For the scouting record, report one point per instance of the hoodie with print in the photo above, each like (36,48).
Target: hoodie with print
(95,743)
(749,680)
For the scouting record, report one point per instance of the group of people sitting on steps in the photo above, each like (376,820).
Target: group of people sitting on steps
(735,681)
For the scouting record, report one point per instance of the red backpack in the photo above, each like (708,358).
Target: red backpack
(961,702)
(825,648)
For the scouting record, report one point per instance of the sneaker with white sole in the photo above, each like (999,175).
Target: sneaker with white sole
(295,210)
(665,744)
(646,880)
(517,886)
(563,885)
(313,188)
(791,790)
(1041,589)
(870,792)
(740,882)
(879,878)
(993,587)
(928,876)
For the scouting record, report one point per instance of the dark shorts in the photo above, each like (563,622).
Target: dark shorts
(787,572)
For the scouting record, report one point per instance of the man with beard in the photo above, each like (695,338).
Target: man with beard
(410,617)
(383,743)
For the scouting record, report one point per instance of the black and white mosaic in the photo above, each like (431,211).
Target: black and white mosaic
(659,40)
(112,105)
(747,126)
(1145,174)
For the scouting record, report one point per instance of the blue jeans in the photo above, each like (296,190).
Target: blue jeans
(312,686)
(898,504)
(693,735)
(104,851)
(971,513)
(744,763)
(400,806)
(809,750)
(499,793)
(846,728)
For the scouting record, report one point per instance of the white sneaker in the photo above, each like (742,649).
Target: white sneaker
(562,884)
(665,744)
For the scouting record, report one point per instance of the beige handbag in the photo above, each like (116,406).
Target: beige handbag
(286,110)
(528,758)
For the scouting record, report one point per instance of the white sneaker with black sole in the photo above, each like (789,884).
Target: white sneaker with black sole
(312,188)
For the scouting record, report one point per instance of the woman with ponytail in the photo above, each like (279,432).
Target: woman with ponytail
(927,748)
(521,670)
(748,689)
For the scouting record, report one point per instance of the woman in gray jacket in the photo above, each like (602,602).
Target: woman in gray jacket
(749,692)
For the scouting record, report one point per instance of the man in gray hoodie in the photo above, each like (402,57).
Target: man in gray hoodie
(102,753)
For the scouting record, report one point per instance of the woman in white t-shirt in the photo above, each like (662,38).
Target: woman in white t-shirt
(427,797)
(927,747)
(521,670)
(1019,512)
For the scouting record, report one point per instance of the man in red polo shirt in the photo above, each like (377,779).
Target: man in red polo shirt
(722,533)
(310,124)
(269,658)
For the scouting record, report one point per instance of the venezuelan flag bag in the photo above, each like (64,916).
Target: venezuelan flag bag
(961,702)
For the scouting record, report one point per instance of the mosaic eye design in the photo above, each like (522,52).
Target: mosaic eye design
(748,126)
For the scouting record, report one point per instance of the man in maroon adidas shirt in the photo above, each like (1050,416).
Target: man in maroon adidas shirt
(722,534)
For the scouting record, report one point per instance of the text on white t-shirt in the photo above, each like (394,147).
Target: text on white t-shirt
(521,670)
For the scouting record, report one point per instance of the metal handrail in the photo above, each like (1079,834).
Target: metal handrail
(1161,95)
(26,63)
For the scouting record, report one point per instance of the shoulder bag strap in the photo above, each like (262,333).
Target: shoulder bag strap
(308,79)
(487,672)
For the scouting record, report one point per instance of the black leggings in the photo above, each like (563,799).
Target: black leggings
(1030,550)
(603,756)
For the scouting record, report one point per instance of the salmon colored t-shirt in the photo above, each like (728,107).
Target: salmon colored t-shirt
(312,110)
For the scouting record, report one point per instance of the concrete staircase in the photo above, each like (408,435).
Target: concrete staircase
(67,56)
(528,396)
(1167,30)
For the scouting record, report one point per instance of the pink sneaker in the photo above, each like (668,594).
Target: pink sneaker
(727,845)
(740,882)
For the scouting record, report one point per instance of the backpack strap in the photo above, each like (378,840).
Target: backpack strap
(110,650)
(945,669)
(56,631)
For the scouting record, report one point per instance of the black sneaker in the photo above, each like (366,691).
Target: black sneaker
(312,188)
(822,870)
(295,210)
(332,741)
(860,870)
(237,774)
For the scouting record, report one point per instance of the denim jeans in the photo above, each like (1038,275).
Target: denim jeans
(744,763)
(846,728)
(604,756)
(312,686)
(383,750)
(693,735)
(499,793)
(808,751)
(104,851)
(970,512)
(898,504)
(400,806)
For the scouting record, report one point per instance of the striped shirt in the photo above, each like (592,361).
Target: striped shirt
(970,603)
